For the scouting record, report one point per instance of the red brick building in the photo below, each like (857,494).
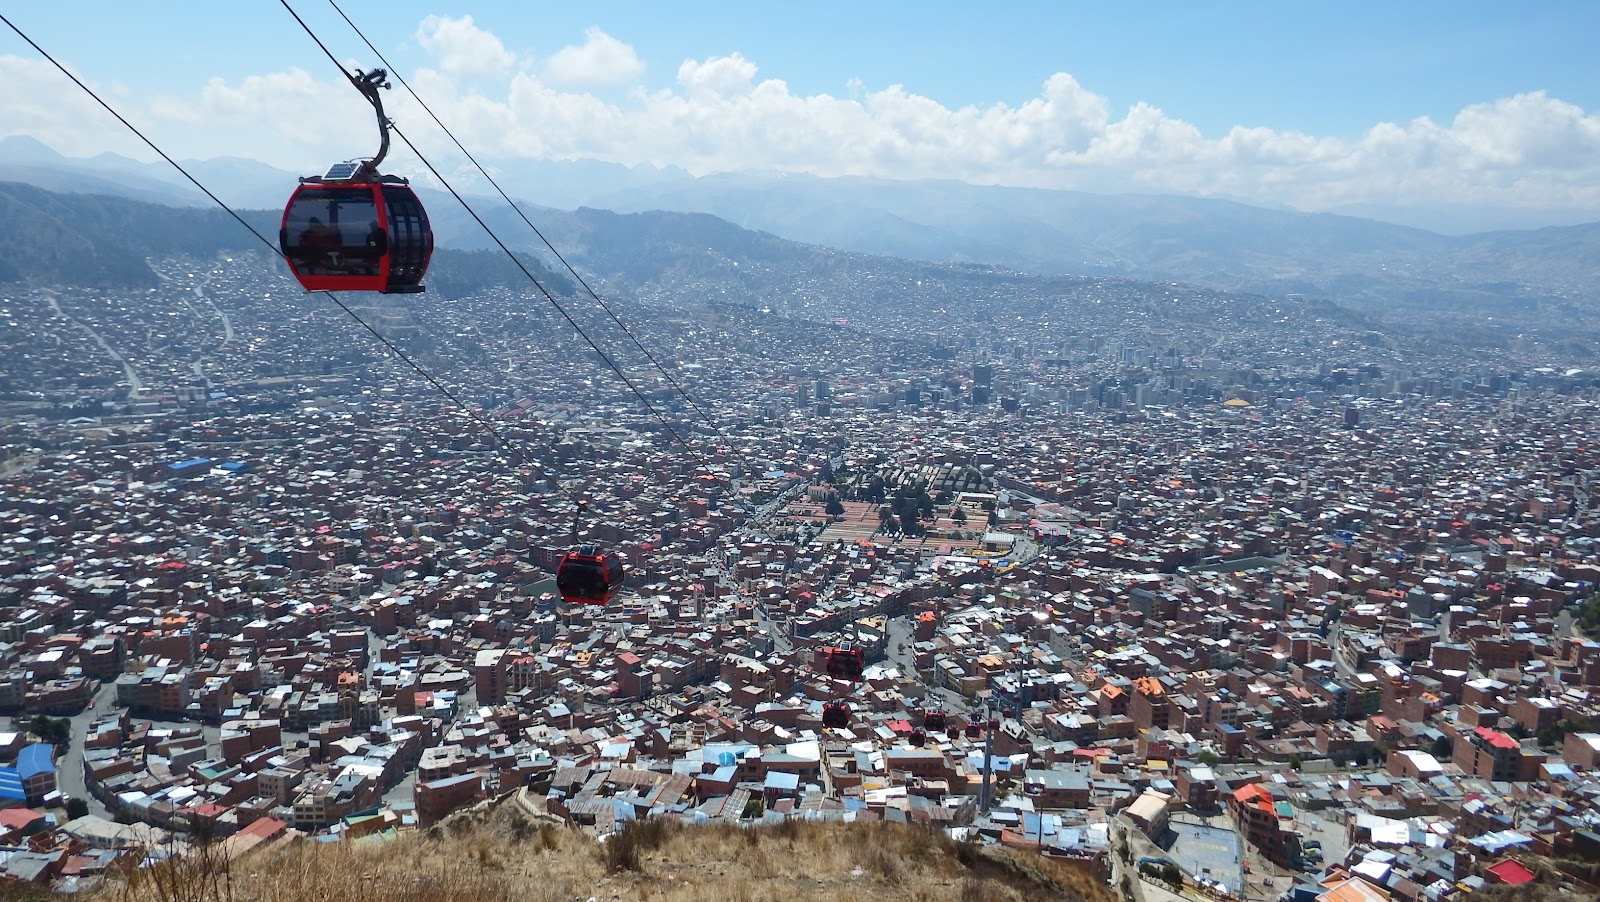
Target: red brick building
(1263,827)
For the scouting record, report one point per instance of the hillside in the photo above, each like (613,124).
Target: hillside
(97,241)
(1204,241)
(500,854)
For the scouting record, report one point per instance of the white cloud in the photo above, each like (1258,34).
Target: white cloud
(463,48)
(600,60)
(1525,151)
(722,76)
(40,102)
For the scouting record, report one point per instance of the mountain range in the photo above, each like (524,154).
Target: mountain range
(1215,243)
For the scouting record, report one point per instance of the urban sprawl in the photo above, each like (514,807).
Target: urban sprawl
(1240,596)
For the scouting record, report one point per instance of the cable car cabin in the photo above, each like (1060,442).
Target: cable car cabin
(933,721)
(345,235)
(844,662)
(973,730)
(587,576)
(836,714)
(919,738)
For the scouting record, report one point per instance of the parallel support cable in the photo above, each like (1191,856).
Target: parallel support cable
(518,210)
(606,358)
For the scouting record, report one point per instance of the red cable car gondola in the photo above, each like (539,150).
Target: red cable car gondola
(588,576)
(836,714)
(844,662)
(349,235)
(933,721)
(355,229)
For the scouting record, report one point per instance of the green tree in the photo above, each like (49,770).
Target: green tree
(874,491)
(835,507)
(906,509)
(54,730)
(1589,615)
(76,808)
(1551,736)
(1295,762)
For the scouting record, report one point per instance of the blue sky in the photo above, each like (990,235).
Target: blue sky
(1315,106)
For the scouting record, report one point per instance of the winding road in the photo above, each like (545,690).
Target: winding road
(135,384)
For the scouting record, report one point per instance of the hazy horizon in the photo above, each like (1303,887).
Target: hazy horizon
(1446,118)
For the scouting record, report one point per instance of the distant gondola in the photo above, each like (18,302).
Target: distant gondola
(836,714)
(588,576)
(843,662)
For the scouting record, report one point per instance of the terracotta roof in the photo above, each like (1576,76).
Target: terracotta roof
(1148,686)
(1254,794)
(1353,889)
(17,818)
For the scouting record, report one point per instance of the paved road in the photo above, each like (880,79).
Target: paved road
(135,384)
(780,639)
(69,767)
(900,635)
(401,792)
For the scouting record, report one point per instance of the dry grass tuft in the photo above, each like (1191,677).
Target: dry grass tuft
(12,891)
(625,849)
(502,854)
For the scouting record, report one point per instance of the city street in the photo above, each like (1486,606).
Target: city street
(69,767)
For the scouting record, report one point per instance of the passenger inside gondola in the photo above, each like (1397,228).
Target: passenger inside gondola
(317,241)
(377,244)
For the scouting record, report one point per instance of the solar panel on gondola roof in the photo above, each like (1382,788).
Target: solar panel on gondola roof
(341,172)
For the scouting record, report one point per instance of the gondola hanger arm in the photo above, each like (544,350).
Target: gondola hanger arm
(368,83)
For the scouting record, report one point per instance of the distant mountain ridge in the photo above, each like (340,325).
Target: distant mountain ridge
(1217,243)
(1213,243)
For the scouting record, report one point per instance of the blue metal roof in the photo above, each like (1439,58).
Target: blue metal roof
(192,462)
(35,759)
(11,784)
